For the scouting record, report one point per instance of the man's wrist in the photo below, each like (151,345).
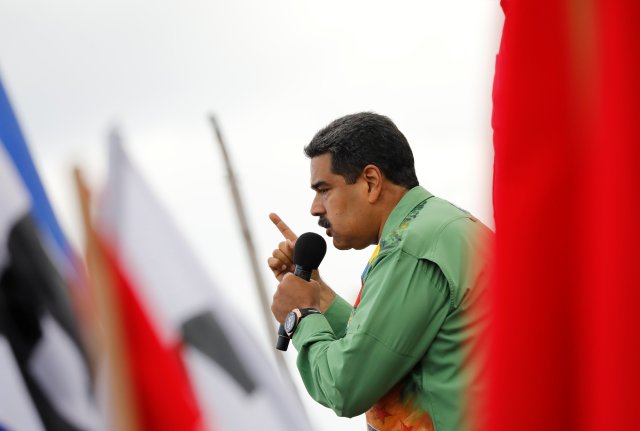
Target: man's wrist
(327,295)
(295,316)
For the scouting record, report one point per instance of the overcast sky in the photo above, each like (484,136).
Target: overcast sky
(273,72)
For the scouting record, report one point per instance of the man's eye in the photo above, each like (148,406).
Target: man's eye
(322,191)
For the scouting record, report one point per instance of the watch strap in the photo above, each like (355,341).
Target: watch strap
(304,312)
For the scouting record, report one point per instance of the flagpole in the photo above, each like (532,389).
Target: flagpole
(251,251)
(111,347)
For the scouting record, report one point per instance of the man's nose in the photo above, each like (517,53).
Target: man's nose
(317,209)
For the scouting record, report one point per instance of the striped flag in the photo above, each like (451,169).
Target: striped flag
(38,326)
(17,411)
(39,338)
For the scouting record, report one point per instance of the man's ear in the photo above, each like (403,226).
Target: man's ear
(373,177)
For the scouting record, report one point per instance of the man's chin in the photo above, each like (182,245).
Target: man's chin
(340,245)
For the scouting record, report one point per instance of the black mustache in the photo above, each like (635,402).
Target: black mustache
(323,222)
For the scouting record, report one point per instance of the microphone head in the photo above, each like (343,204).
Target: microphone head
(309,250)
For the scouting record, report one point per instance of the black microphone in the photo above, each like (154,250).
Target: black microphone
(308,253)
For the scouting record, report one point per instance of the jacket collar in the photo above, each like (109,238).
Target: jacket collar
(409,201)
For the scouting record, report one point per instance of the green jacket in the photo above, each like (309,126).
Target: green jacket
(421,314)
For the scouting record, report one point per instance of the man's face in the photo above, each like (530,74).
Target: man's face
(342,208)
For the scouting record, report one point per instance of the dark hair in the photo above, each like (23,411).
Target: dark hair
(357,140)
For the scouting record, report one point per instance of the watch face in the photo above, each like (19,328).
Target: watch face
(290,322)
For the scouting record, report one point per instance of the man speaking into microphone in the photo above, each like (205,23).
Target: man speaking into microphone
(409,351)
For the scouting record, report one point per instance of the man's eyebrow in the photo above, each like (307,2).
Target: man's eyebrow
(318,184)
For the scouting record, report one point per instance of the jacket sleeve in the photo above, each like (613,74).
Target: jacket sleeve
(338,315)
(403,304)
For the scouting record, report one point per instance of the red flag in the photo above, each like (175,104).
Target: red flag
(162,391)
(611,318)
(566,181)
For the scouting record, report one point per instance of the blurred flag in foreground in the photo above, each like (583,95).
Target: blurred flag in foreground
(46,380)
(567,179)
(187,358)
(17,150)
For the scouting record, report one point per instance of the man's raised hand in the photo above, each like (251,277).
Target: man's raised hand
(281,260)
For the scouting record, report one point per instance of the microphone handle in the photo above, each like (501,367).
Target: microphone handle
(304,274)
(283,339)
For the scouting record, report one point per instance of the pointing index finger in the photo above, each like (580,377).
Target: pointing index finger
(282,227)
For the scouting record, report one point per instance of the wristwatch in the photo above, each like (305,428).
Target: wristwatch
(294,317)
